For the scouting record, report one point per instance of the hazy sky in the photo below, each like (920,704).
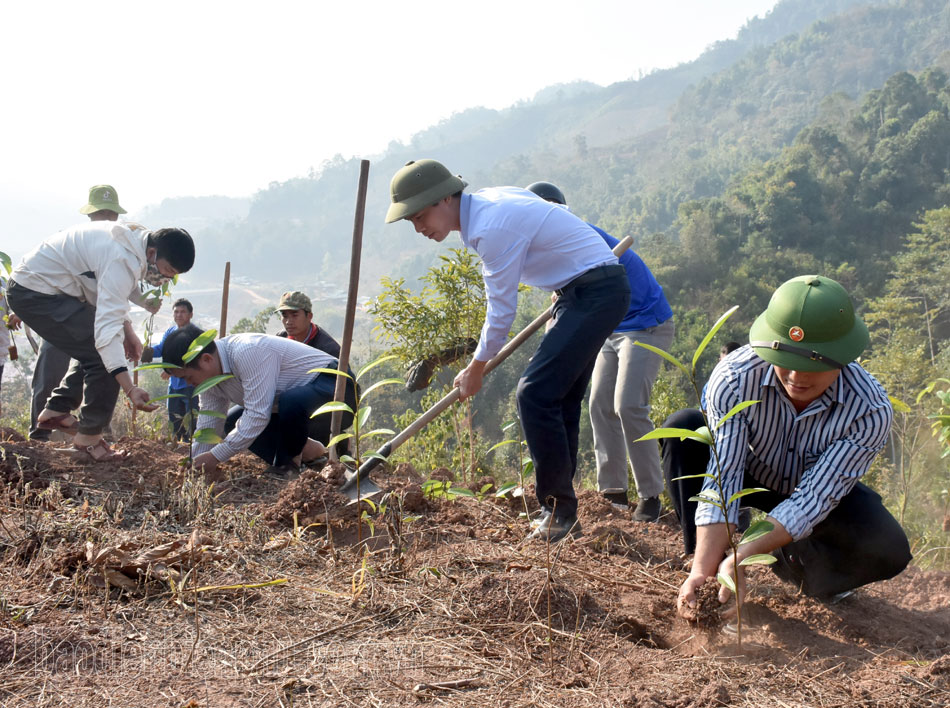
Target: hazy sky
(202,97)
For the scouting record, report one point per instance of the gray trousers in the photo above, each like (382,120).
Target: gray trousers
(620,409)
(68,324)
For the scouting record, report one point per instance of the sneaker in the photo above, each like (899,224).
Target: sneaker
(554,528)
(618,500)
(648,509)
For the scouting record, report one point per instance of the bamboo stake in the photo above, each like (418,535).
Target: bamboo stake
(222,330)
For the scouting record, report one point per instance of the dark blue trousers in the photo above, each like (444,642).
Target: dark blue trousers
(183,424)
(553,386)
(858,543)
(289,427)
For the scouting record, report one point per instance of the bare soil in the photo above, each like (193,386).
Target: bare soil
(133,584)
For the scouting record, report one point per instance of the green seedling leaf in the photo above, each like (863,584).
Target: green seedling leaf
(6,262)
(156,365)
(211,383)
(207,436)
(485,488)
(377,431)
(199,343)
(727,581)
(339,438)
(362,416)
(330,407)
(898,405)
(707,496)
(335,372)
(681,433)
(410,519)
(166,396)
(759,559)
(502,444)
(505,488)
(370,504)
(756,530)
(669,357)
(712,333)
(695,476)
(745,492)
(735,409)
(374,456)
(384,382)
(347,458)
(528,469)
(373,364)
(508,426)
(460,492)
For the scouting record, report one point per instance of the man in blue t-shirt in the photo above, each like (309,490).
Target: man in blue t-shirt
(183,408)
(622,381)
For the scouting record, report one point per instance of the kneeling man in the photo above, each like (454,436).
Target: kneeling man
(273,390)
(820,421)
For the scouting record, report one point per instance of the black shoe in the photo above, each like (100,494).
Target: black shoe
(317,463)
(648,509)
(287,472)
(554,528)
(745,519)
(618,500)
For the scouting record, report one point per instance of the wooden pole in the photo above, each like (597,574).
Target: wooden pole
(223,329)
(355,256)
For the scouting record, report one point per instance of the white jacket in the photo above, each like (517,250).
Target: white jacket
(100,262)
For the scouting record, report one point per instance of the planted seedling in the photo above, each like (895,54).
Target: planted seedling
(713,493)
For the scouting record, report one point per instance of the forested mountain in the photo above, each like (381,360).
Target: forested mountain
(627,155)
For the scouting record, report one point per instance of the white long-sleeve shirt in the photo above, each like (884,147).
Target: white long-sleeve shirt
(100,262)
(263,367)
(523,239)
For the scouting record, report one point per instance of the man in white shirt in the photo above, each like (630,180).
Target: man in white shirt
(523,239)
(74,290)
(273,390)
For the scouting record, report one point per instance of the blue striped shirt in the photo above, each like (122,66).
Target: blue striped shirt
(816,456)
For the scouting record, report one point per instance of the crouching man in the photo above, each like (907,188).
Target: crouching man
(273,392)
(820,421)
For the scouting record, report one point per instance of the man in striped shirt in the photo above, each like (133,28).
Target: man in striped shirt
(818,423)
(273,390)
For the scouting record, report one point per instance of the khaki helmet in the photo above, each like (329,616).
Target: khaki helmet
(809,325)
(420,183)
(102,197)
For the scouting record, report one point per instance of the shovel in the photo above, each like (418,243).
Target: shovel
(360,486)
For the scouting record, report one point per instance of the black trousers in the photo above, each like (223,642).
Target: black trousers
(552,388)
(858,543)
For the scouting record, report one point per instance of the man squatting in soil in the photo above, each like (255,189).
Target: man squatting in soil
(296,315)
(74,291)
(52,364)
(622,381)
(183,403)
(274,391)
(820,421)
(523,239)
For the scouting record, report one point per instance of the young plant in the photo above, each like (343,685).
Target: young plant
(525,468)
(715,496)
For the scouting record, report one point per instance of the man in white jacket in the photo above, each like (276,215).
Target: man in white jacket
(74,290)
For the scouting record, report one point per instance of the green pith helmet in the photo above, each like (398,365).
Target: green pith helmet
(102,197)
(294,300)
(419,184)
(809,325)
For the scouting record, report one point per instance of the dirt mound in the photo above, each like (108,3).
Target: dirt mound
(315,498)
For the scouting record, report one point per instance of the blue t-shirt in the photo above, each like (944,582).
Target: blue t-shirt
(648,305)
(174,383)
